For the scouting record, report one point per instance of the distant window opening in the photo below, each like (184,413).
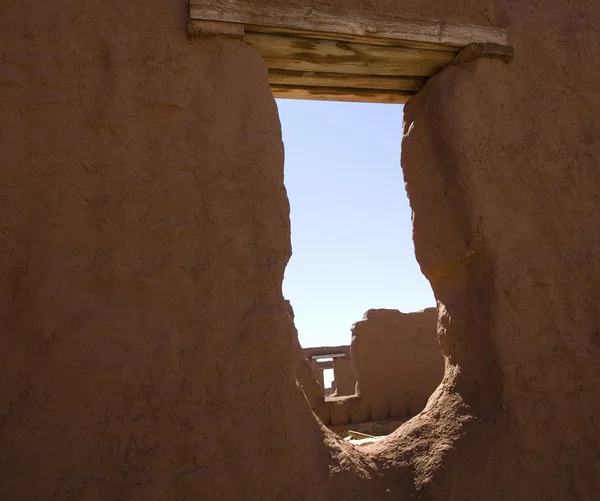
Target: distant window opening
(352,252)
(328,379)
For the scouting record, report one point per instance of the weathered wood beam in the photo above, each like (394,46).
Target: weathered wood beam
(325,365)
(359,435)
(341,94)
(344,37)
(341,80)
(326,351)
(335,20)
(326,53)
(302,54)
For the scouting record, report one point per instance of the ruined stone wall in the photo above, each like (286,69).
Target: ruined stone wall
(145,349)
(397,360)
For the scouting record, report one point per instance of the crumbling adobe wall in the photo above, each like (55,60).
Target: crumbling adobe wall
(317,372)
(398,361)
(145,348)
(144,344)
(313,391)
(501,168)
(345,379)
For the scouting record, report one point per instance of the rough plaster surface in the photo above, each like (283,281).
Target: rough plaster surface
(501,166)
(313,391)
(345,380)
(397,360)
(145,347)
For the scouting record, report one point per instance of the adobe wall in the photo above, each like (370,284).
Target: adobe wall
(313,391)
(317,372)
(398,363)
(345,380)
(145,348)
(397,360)
(501,168)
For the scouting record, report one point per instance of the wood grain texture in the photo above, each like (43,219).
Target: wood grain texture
(344,37)
(297,16)
(302,54)
(328,54)
(341,94)
(341,80)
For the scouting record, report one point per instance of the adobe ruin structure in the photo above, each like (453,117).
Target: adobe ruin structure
(339,359)
(146,352)
(388,372)
(398,362)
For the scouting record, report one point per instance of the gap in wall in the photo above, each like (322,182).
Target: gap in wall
(352,251)
(328,379)
(350,218)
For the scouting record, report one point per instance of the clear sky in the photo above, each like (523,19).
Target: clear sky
(351,223)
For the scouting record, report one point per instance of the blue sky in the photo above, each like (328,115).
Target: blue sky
(351,222)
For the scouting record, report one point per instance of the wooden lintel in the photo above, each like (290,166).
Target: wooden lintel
(490,50)
(290,14)
(203,29)
(324,53)
(303,54)
(345,37)
(325,365)
(341,94)
(342,80)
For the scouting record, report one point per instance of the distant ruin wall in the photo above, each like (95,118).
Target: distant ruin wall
(391,368)
(398,361)
(345,379)
(312,387)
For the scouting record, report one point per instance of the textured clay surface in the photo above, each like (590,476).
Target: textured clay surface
(397,360)
(145,348)
(345,380)
(305,377)
(501,168)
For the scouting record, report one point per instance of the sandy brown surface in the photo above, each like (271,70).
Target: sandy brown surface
(305,377)
(145,348)
(398,361)
(502,174)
